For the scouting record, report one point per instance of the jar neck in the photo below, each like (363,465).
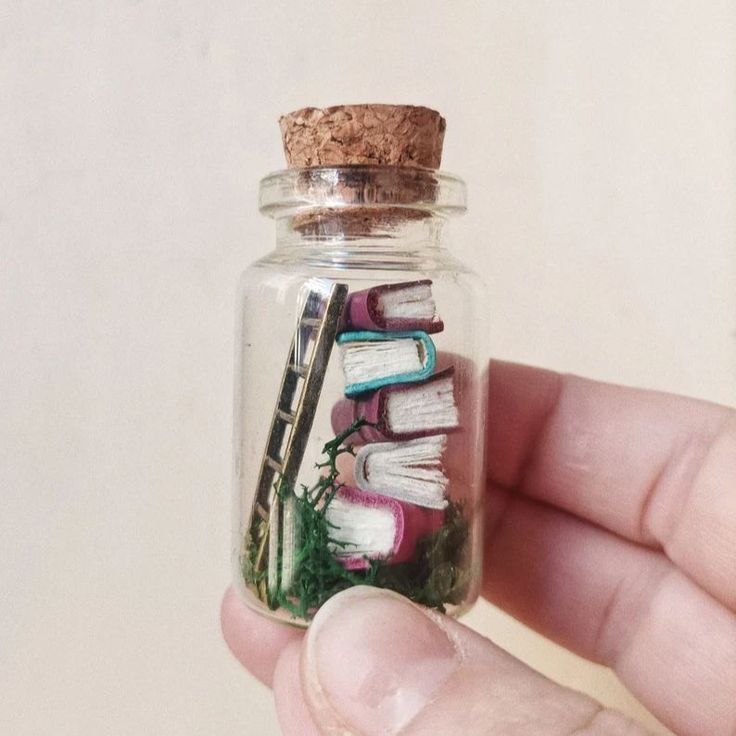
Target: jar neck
(361,207)
(361,228)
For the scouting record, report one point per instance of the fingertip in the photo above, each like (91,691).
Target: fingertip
(255,641)
(228,606)
(373,663)
(291,708)
(372,660)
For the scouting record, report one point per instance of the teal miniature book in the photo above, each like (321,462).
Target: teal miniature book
(375,359)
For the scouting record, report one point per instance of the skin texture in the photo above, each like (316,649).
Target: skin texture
(611,529)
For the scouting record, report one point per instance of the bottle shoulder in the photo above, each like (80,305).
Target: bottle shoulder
(270,281)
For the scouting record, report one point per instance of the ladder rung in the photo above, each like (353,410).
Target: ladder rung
(310,321)
(261,511)
(298,369)
(286,416)
(273,464)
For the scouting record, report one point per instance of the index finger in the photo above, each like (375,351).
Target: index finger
(654,468)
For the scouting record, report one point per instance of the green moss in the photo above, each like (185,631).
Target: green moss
(438,573)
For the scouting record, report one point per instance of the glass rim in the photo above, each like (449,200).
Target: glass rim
(285,192)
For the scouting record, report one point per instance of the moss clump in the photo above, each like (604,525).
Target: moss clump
(317,573)
(438,572)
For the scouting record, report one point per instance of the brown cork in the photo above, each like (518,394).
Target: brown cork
(383,135)
(353,221)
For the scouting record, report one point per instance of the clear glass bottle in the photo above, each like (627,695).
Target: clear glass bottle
(360,395)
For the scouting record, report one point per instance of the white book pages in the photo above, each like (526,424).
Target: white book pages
(365,530)
(408,471)
(411,302)
(368,361)
(425,406)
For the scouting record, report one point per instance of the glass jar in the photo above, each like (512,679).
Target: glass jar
(360,395)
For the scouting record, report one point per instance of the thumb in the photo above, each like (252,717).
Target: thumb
(374,663)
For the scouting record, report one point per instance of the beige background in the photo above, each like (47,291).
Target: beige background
(598,142)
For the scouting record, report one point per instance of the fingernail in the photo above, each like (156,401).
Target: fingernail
(373,661)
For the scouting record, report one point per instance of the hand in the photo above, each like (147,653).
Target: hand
(611,529)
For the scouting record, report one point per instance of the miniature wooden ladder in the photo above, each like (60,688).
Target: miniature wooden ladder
(308,359)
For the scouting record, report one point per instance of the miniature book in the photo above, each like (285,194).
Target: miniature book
(394,307)
(402,411)
(408,471)
(366,526)
(374,359)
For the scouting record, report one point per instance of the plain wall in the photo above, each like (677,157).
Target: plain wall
(597,139)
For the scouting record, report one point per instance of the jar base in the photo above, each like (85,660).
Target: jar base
(281,616)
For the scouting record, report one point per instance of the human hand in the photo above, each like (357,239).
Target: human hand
(611,528)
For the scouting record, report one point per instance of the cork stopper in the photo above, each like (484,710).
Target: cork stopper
(383,135)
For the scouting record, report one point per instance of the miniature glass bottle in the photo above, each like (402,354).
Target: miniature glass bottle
(360,382)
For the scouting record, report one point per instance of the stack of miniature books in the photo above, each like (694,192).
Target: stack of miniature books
(388,358)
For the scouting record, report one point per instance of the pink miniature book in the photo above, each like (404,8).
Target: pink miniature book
(401,411)
(393,307)
(368,526)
